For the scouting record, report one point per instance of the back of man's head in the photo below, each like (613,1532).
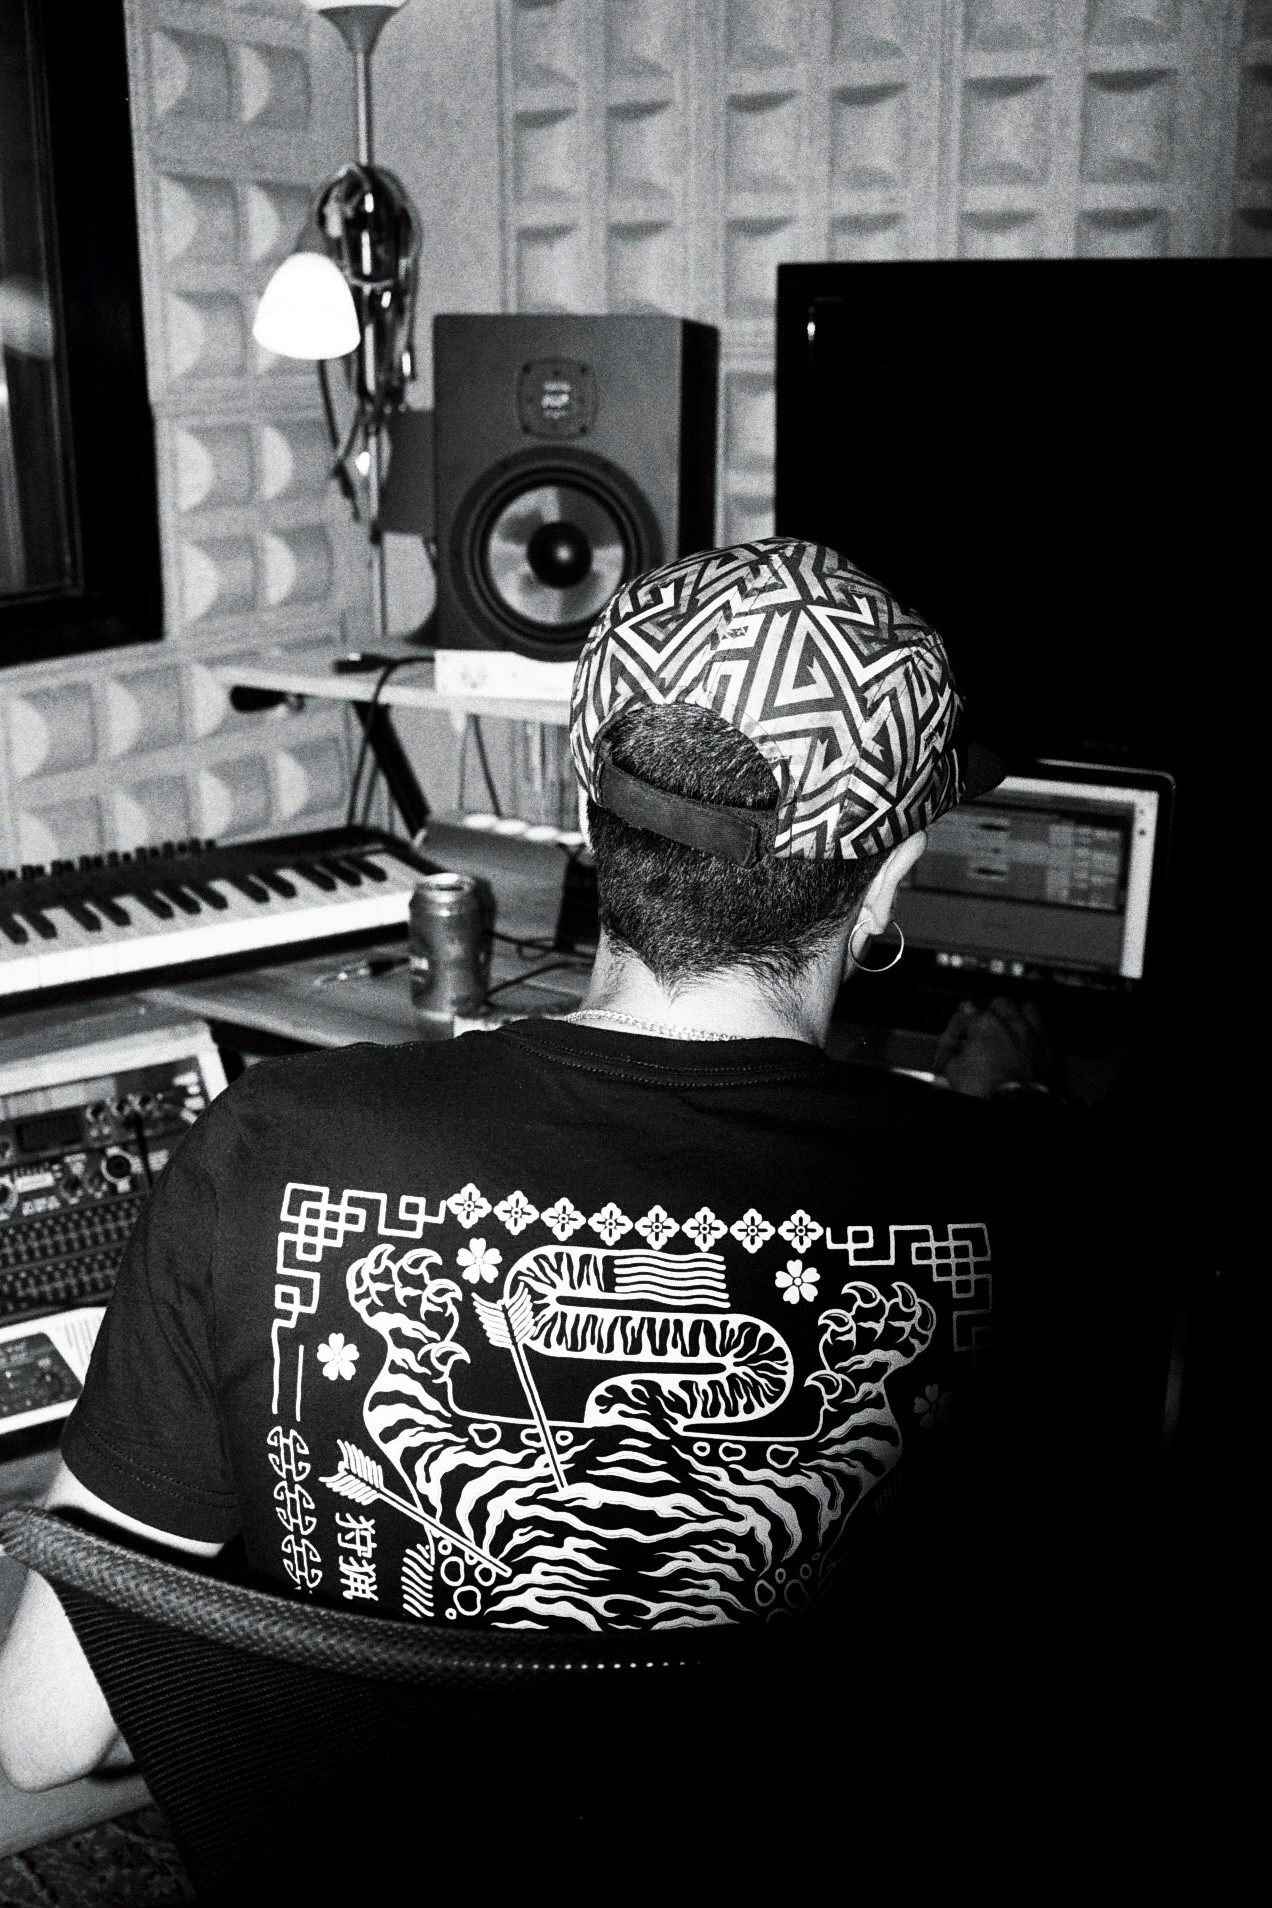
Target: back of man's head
(757,730)
(686,913)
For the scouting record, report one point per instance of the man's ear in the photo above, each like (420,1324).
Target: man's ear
(876,909)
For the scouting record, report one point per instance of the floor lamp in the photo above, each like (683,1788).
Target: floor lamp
(349,293)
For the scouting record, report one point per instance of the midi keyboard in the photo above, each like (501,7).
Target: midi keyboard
(192,903)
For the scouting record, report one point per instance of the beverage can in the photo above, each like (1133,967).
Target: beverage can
(451,926)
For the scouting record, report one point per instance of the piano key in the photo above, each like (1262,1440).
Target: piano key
(342,871)
(279,884)
(210,896)
(153,903)
(248,885)
(173,891)
(14,931)
(366,867)
(38,920)
(112,910)
(81,912)
(317,876)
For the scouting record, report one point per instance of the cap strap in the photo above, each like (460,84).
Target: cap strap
(741,835)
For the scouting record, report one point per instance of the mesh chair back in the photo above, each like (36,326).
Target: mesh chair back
(295,1747)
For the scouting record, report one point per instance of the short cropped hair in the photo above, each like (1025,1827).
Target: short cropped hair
(688,914)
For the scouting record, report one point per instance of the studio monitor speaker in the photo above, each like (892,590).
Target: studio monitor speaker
(571,454)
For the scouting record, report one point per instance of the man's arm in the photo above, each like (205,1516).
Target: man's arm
(54,1723)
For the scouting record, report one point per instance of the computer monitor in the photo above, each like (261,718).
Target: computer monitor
(1054,878)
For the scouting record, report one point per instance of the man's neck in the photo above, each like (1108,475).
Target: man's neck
(731,1005)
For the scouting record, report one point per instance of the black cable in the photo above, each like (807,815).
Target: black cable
(517,942)
(485,767)
(398,662)
(339,452)
(143,1147)
(549,967)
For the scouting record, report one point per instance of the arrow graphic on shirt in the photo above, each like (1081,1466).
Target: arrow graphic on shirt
(361,1478)
(508,1324)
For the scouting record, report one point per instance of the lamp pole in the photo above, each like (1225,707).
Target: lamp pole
(360,27)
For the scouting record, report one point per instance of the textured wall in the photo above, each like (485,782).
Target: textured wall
(574,155)
(237,111)
(667,154)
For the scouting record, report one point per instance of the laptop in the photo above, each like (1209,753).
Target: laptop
(1049,889)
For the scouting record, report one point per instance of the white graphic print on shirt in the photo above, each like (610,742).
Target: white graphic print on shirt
(627,1477)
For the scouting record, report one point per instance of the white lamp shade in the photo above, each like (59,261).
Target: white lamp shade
(307,310)
(329,6)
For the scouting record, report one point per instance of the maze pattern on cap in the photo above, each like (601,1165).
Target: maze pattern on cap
(849,698)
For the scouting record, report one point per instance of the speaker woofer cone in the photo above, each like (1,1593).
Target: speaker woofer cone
(554,555)
(542,541)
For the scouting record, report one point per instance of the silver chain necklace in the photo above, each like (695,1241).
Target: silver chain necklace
(662,1027)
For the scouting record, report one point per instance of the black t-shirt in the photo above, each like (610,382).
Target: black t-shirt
(552,1327)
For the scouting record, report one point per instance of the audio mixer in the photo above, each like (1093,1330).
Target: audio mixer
(84,1131)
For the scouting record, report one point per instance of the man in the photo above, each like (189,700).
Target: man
(620,1320)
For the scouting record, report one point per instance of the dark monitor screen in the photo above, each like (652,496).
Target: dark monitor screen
(1049,459)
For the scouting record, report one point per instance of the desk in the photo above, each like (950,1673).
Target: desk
(301,1001)
(416,690)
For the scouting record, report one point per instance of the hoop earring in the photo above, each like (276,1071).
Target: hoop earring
(884,967)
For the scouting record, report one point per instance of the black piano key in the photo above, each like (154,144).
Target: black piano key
(174,891)
(208,894)
(154,904)
(281,886)
(247,885)
(113,911)
(342,871)
(368,868)
(14,930)
(81,912)
(40,922)
(318,877)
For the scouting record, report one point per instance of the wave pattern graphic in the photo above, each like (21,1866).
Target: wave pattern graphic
(665,1519)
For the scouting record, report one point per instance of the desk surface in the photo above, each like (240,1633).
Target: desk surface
(413,689)
(328,1000)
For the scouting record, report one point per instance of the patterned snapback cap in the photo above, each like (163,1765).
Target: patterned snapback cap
(850,699)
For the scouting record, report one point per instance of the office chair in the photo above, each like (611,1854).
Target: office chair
(298,1749)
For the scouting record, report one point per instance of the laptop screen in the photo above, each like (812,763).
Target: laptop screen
(1042,878)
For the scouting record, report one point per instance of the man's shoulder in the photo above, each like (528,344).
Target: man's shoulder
(346,1075)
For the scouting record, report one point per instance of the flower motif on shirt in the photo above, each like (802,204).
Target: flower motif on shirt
(480,1261)
(800,1231)
(799,1281)
(657,1227)
(468,1205)
(516,1212)
(610,1223)
(933,1408)
(704,1228)
(337,1358)
(562,1219)
(752,1230)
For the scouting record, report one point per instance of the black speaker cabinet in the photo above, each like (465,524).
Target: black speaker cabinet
(571,454)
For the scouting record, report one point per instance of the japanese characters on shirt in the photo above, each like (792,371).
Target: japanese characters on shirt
(531,1515)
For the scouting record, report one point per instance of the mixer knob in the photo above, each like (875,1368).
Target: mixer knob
(116,1167)
(8,1197)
